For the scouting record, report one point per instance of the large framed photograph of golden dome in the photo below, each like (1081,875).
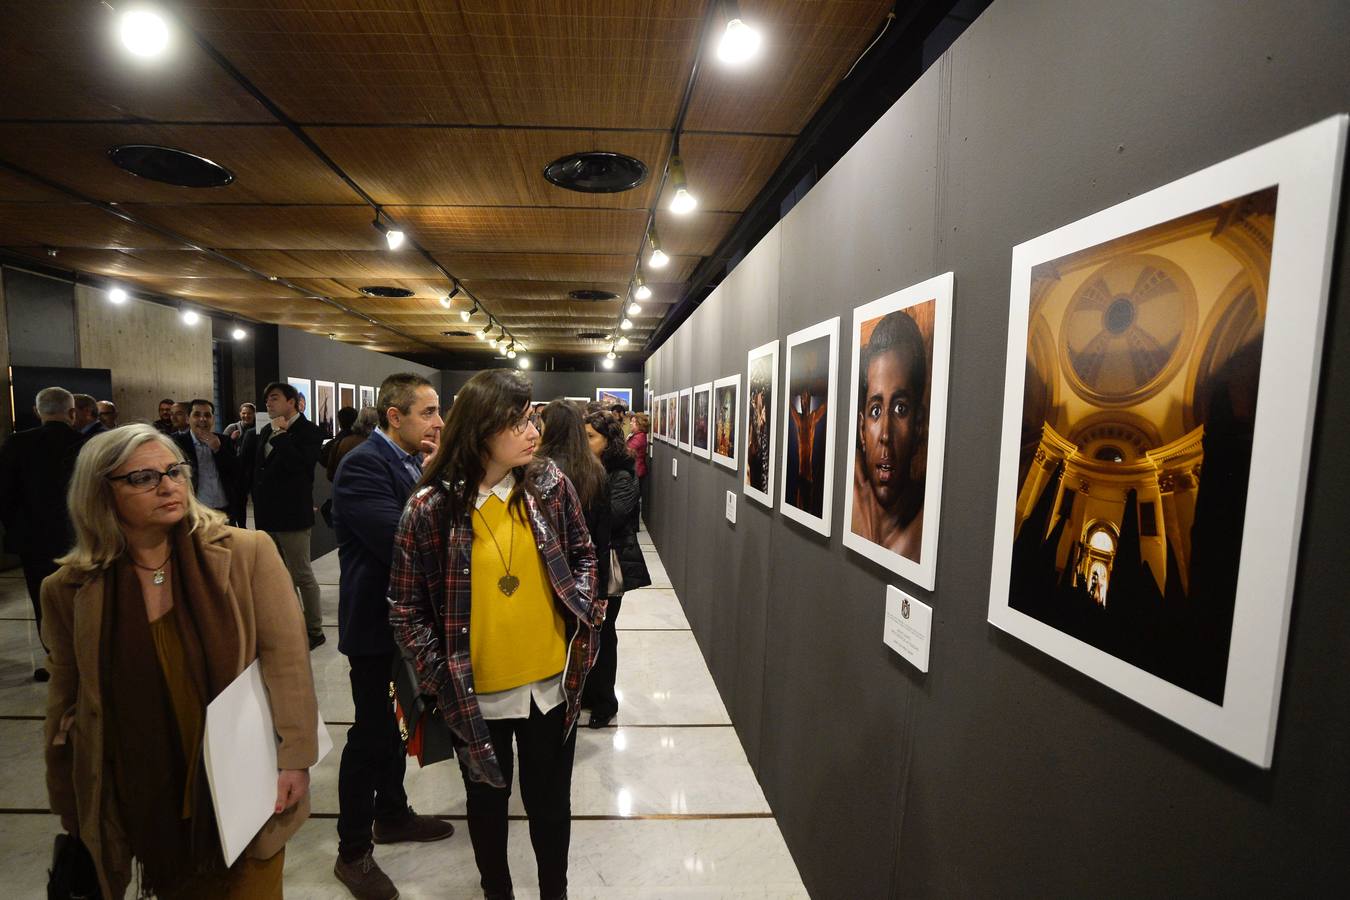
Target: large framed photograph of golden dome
(1162,370)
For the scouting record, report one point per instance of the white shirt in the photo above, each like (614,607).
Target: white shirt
(546,692)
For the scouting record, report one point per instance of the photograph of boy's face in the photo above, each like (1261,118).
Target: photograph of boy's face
(890,418)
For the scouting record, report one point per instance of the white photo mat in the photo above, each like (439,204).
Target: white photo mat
(828,329)
(1306,166)
(764,351)
(921,571)
(720,385)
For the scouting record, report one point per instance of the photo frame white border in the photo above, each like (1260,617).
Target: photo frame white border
(338,397)
(703,452)
(1307,167)
(366,391)
(922,572)
(312,408)
(730,462)
(830,329)
(764,498)
(619,391)
(684,424)
(666,426)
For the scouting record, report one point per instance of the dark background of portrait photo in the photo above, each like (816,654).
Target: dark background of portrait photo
(1002,770)
(702,418)
(810,371)
(760,379)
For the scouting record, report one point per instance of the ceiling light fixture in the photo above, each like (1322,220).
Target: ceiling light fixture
(611,354)
(607,363)
(642,292)
(467,314)
(626,324)
(143,32)
(511,351)
(658,258)
(393,236)
(483,335)
(634,308)
(238,333)
(740,42)
(117,295)
(190,317)
(623,340)
(524,362)
(683,202)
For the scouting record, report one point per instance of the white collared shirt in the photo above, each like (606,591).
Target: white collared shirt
(546,692)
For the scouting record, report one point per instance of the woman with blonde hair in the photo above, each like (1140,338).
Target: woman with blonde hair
(157,608)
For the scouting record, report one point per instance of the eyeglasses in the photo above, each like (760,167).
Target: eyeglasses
(524,424)
(145,479)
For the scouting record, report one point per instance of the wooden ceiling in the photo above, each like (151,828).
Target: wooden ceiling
(444,113)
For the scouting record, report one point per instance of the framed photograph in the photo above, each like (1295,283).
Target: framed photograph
(761,431)
(702,436)
(726,402)
(655,413)
(610,396)
(1162,369)
(897,426)
(673,418)
(324,410)
(685,419)
(302,387)
(367,396)
(808,425)
(346,396)
(647,396)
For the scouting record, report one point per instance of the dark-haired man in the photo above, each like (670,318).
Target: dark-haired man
(892,378)
(178,418)
(165,421)
(86,415)
(213,460)
(280,458)
(372,483)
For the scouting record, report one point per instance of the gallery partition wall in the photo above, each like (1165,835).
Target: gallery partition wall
(1009,766)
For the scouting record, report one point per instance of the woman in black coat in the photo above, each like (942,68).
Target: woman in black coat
(628,570)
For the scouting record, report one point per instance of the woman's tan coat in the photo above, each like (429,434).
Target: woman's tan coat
(263,601)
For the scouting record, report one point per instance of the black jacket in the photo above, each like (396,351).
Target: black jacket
(625,514)
(370,487)
(227,463)
(35,470)
(282,482)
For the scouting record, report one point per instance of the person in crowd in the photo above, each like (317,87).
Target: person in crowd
(178,418)
(86,416)
(496,539)
(158,607)
(165,421)
(346,418)
(214,464)
(367,422)
(628,570)
(375,476)
(107,414)
(35,469)
(637,442)
(235,431)
(280,458)
(564,441)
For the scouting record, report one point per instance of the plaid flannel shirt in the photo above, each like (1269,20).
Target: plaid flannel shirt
(430,599)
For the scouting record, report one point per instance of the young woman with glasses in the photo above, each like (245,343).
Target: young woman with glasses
(493,595)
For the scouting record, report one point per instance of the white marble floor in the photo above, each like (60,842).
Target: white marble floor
(664,802)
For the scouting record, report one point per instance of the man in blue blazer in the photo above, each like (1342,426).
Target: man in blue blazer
(370,487)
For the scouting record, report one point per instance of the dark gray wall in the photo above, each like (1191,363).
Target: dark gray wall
(1003,772)
(41,318)
(552,385)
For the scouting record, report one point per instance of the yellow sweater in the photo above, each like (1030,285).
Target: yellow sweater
(518,639)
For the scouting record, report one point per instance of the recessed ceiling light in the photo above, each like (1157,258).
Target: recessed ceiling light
(596,172)
(588,294)
(170,166)
(386,291)
(143,32)
(117,295)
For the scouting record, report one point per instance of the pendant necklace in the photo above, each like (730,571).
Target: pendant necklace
(508,583)
(158,577)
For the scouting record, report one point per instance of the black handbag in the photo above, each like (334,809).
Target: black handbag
(72,875)
(424,730)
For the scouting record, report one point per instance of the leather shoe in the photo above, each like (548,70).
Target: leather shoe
(317,640)
(412,828)
(41,674)
(599,720)
(365,879)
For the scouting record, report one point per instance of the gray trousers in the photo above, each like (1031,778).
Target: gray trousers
(294,547)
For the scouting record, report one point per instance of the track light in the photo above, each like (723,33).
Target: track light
(739,43)
(143,32)
(467,314)
(634,308)
(607,363)
(642,292)
(190,317)
(611,354)
(445,302)
(524,362)
(117,295)
(683,202)
(658,259)
(623,341)
(483,335)
(626,325)
(511,351)
(393,236)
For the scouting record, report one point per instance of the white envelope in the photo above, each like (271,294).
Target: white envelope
(240,753)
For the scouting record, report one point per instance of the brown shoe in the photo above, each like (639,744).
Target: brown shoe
(412,828)
(364,878)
